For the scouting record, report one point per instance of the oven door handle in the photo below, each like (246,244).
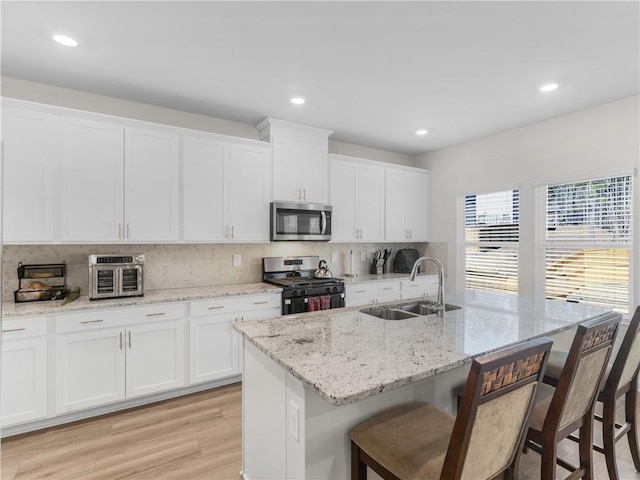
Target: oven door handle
(323,222)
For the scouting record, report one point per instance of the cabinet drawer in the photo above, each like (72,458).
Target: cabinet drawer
(373,288)
(23,327)
(118,317)
(241,303)
(426,285)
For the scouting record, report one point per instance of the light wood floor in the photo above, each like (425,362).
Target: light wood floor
(189,438)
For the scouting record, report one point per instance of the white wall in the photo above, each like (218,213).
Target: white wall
(64,97)
(596,141)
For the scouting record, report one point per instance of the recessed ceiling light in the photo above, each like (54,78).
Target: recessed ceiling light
(549,87)
(421,132)
(64,40)
(297,100)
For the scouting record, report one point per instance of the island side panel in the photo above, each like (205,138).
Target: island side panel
(263,417)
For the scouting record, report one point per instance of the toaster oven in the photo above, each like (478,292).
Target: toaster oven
(116,276)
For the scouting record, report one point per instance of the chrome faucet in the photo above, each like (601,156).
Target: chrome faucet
(414,272)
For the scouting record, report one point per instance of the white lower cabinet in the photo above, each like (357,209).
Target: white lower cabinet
(24,370)
(109,361)
(372,293)
(215,348)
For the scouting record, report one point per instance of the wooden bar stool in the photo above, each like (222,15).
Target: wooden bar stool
(569,406)
(621,378)
(419,441)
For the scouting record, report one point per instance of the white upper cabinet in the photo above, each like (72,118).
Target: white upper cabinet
(226,191)
(357,197)
(203,189)
(299,160)
(152,186)
(119,184)
(407,216)
(92,166)
(30,186)
(249,193)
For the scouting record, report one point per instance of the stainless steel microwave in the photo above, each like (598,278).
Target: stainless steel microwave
(300,221)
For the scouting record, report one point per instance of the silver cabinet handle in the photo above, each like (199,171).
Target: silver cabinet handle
(128,232)
(120,340)
(299,194)
(91,321)
(216,308)
(260,303)
(14,330)
(129,338)
(231,231)
(226,231)
(304,194)
(155,314)
(360,291)
(119,230)
(388,288)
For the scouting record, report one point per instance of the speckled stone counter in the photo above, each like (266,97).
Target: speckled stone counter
(10,309)
(345,355)
(368,278)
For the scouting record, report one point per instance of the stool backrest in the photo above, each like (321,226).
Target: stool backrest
(625,366)
(581,376)
(494,411)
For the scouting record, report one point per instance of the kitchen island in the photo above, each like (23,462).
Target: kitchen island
(307,379)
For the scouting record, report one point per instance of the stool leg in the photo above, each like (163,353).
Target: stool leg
(548,465)
(609,435)
(585,447)
(631,413)
(358,468)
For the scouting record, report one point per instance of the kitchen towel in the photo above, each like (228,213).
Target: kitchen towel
(325,302)
(315,304)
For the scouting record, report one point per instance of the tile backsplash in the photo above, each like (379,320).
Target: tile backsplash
(182,265)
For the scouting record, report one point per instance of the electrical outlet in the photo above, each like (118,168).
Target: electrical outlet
(334,257)
(363,256)
(237,260)
(294,420)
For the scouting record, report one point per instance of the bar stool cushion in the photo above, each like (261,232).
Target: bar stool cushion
(411,441)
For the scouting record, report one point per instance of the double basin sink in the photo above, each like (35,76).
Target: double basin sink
(403,311)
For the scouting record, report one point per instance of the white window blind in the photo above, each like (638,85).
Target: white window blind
(492,231)
(588,242)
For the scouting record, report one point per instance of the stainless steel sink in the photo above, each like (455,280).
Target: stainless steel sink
(388,313)
(426,308)
(404,311)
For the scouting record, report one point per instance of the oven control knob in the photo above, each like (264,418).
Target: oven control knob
(328,290)
(295,293)
(335,289)
(303,293)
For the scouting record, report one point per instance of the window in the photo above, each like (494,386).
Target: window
(588,242)
(491,230)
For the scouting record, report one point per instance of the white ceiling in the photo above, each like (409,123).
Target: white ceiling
(373,72)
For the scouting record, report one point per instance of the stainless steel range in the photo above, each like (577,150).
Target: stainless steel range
(301,290)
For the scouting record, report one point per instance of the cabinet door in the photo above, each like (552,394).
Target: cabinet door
(417,208)
(249,193)
(395,226)
(92,181)
(152,174)
(312,174)
(24,381)
(89,369)
(343,200)
(203,189)
(214,348)
(29,176)
(155,357)
(287,157)
(370,203)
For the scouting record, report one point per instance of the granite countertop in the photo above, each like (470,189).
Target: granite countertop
(344,355)
(367,278)
(11,309)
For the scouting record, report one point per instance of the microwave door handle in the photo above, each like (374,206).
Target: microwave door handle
(323,222)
